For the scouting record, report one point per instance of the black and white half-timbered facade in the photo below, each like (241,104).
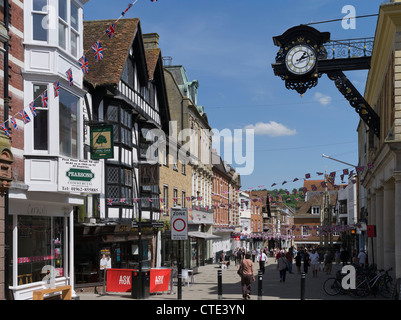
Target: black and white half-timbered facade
(125,90)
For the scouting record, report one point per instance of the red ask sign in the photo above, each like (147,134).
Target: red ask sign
(159,280)
(120,280)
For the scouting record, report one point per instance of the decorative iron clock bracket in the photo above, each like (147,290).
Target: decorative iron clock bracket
(356,100)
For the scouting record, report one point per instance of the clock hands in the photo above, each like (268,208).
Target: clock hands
(304,56)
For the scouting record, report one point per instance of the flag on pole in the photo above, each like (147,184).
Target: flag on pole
(98,50)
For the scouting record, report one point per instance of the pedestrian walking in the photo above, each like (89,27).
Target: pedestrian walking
(290,256)
(262,258)
(282,266)
(238,257)
(314,262)
(328,262)
(253,254)
(298,261)
(306,261)
(247,276)
(362,258)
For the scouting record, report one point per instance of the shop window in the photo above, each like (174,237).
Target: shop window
(40,248)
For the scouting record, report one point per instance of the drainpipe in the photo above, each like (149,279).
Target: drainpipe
(6,106)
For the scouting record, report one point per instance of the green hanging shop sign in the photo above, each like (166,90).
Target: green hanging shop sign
(101,142)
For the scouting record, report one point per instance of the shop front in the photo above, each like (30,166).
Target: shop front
(41,241)
(118,244)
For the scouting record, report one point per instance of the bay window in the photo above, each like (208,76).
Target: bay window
(40,121)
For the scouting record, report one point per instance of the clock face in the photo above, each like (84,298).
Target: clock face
(300,59)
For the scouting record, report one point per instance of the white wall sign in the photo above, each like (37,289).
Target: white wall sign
(82,176)
(179,224)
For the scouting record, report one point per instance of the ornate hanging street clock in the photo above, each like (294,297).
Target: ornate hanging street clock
(297,60)
(303,58)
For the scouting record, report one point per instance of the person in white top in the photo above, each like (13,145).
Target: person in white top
(314,261)
(362,258)
(262,258)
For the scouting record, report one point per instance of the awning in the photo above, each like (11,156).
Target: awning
(202,235)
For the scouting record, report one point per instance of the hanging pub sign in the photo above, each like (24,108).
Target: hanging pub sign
(101,142)
(82,176)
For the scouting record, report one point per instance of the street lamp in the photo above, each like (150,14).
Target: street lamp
(324,156)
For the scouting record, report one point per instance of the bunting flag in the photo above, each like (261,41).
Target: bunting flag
(98,50)
(14,123)
(126,10)
(319,173)
(56,87)
(5,129)
(25,117)
(307,176)
(110,202)
(83,62)
(69,77)
(32,107)
(296,179)
(44,98)
(370,165)
(111,30)
(122,200)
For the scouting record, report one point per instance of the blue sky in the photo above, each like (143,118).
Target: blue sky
(227,46)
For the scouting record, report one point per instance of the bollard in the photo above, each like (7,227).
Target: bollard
(179,284)
(219,284)
(260,279)
(303,286)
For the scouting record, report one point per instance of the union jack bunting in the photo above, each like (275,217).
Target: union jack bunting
(332,174)
(14,122)
(319,173)
(5,129)
(345,171)
(296,179)
(110,202)
(360,169)
(122,200)
(25,117)
(44,98)
(307,176)
(111,30)
(314,188)
(98,50)
(83,62)
(150,200)
(125,11)
(70,78)
(370,165)
(32,107)
(56,87)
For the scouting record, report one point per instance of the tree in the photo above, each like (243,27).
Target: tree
(101,140)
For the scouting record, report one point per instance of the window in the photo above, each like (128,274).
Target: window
(40,243)
(165,199)
(119,184)
(68,26)
(183,168)
(74,44)
(315,210)
(74,16)
(305,230)
(40,20)
(183,203)
(40,122)
(68,123)
(175,196)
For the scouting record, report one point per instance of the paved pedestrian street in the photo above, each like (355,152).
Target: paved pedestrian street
(205,286)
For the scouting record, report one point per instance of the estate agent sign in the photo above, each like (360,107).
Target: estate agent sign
(84,176)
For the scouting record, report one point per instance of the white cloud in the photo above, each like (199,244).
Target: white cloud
(272,129)
(323,99)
